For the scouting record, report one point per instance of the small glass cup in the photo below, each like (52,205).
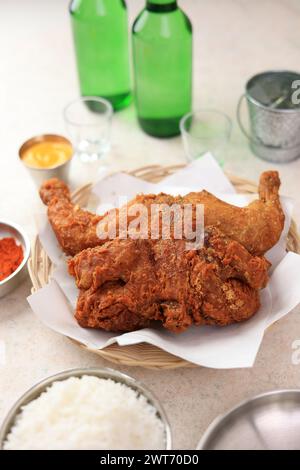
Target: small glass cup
(205,130)
(88,122)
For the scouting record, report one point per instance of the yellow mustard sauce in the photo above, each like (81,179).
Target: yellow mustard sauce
(47,154)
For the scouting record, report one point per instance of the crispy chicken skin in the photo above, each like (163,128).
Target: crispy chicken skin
(75,228)
(125,284)
(257,226)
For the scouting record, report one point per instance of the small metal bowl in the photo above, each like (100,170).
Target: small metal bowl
(41,174)
(270,421)
(9,229)
(104,373)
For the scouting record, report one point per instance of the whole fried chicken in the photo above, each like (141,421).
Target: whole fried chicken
(257,226)
(125,284)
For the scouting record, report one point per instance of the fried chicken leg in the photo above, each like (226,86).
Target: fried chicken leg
(125,284)
(257,226)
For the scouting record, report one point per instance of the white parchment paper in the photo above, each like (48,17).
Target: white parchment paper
(229,347)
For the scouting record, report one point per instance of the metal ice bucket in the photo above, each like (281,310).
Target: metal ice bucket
(274,115)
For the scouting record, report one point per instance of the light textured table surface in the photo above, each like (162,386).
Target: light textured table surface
(233,40)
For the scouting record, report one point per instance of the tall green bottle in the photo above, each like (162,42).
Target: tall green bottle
(100,31)
(162,54)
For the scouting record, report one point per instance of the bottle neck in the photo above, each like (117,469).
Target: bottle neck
(161,6)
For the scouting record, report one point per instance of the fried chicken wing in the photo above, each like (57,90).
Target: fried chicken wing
(125,284)
(75,228)
(257,226)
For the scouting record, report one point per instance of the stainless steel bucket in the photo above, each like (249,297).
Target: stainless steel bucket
(274,115)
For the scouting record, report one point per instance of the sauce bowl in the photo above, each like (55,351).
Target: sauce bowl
(9,229)
(39,175)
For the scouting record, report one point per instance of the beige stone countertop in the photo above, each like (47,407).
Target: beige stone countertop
(233,40)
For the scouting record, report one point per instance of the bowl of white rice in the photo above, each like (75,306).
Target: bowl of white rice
(90,409)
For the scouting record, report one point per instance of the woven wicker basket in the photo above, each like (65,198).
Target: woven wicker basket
(144,355)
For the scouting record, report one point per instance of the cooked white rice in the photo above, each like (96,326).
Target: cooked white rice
(87,413)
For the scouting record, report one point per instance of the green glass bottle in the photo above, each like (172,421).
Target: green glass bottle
(162,55)
(100,31)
